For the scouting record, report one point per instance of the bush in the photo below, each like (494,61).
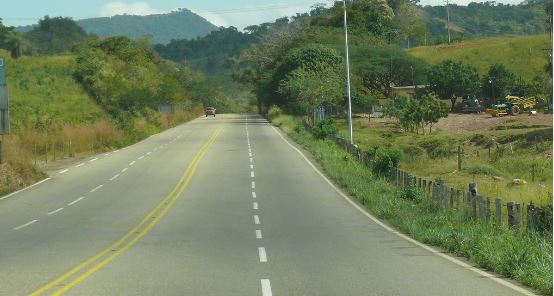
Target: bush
(412,193)
(385,159)
(274,112)
(325,128)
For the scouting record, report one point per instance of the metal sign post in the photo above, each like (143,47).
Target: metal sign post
(4,105)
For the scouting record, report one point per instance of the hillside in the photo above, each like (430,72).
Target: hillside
(523,55)
(488,18)
(180,24)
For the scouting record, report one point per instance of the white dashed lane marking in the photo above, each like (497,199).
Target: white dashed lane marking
(55,211)
(256,220)
(141,157)
(96,188)
(266,288)
(64,171)
(114,177)
(259,234)
(255,206)
(76,201)
(94,159)
(253,184)
(81,164)
(262,254)
(123,170)
(253,194)
(252,174)
(25,225)
(132,162)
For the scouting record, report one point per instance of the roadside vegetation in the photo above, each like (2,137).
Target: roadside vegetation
(523,256)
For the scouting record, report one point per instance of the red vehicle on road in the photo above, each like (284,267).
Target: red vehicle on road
(210,111)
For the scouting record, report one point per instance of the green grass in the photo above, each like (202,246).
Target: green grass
(523,55)
(433,157)
(43,93)
(526,257)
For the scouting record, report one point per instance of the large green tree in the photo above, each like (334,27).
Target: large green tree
(450,79)
(498,82)
(56,35)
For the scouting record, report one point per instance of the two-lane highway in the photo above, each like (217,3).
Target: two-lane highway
(217,206)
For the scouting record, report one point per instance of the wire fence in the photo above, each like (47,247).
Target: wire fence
(516,216)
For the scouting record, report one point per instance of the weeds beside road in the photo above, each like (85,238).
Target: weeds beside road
(525,257)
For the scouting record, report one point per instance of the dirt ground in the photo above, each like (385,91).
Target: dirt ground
(455,123)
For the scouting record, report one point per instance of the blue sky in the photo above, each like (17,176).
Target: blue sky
(238,13)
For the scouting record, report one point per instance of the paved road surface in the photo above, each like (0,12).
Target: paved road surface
(218,206)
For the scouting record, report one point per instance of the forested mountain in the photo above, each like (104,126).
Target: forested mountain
(162,28)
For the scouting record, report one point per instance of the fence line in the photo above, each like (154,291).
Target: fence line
(475,207)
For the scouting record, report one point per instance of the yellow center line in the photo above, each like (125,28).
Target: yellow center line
(173,196)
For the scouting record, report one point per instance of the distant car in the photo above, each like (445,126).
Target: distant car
(210,111)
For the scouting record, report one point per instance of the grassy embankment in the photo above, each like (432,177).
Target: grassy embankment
(523,55)
(434,156)
(50,111)
(526,257)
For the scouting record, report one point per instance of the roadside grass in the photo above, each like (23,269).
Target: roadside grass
(434,157)
(523,256)
(52,116)
(522,55)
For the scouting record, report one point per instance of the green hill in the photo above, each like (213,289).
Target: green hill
(523,55)
(180,24)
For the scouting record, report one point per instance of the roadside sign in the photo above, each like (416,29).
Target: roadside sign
(2,71)
(4,100)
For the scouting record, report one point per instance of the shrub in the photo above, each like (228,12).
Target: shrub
(478,169)
(385,159)
(412,193)
(325,128)
(274,112)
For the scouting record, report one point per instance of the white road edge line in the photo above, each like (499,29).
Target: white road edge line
(266,288)
(256,220)
(255,206)
(424,246)
(114,177)
(76,201)
(64,171)
(253,194)
(96,188)
(55,211)
(259,234)
(25,225)
(20,190)
(262,254)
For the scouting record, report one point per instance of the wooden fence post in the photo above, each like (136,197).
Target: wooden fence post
(452,196)
(419,182)
(481,206)
(473,201)
(459,158)
(487,209)
(531,217)
(513,215)
(498,205)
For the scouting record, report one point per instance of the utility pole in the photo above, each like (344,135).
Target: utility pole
(448,21)
(348,74)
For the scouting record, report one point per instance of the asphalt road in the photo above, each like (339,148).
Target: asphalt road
(217,206)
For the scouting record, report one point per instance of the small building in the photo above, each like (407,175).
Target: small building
(405,91)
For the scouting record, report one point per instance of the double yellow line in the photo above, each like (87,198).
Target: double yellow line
(87,268)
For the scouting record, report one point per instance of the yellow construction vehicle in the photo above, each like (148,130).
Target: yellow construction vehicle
(512,106)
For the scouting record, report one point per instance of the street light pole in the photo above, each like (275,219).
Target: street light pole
(348,74)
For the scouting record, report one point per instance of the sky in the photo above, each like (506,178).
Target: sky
(237,13)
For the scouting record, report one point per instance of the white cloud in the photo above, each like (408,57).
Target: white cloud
(119,8)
